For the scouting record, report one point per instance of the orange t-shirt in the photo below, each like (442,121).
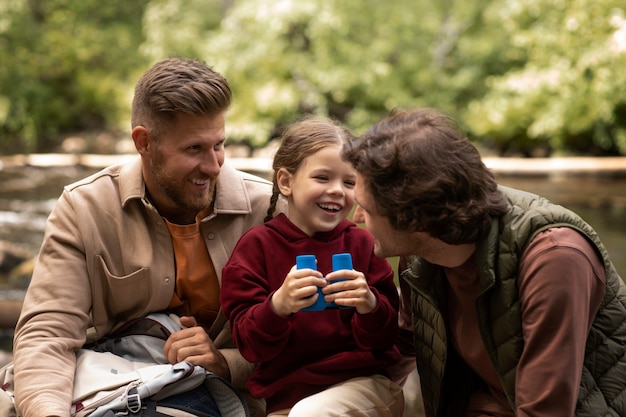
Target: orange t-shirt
(197,291)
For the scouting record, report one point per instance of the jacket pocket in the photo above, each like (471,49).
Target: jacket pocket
(124,295)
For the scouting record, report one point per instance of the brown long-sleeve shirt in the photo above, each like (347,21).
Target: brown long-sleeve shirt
(561,284)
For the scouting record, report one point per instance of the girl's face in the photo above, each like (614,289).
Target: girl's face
(320,192)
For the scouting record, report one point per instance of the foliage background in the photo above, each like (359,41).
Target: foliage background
(529,77)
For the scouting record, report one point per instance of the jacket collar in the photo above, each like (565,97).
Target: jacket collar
(231,193)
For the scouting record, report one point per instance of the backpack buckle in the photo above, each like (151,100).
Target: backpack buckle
(133,400)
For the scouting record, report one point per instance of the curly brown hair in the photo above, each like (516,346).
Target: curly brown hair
(425,175)
(177,85)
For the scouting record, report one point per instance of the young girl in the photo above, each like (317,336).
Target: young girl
(314,363)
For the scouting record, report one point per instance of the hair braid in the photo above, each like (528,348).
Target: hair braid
(273,200)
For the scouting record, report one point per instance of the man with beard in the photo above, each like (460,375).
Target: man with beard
(146,236)
(514,306)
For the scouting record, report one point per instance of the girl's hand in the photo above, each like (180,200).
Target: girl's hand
(354,291)
(299,290)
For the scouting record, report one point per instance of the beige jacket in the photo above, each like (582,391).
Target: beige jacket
(107,257)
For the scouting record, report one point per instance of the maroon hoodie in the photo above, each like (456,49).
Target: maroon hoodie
(306,352)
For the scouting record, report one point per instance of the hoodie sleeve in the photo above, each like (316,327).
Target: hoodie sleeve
(259,333)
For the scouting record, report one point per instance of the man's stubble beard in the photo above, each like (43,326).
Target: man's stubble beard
(175,190)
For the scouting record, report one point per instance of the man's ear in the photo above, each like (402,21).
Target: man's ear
(283,179)
(141,139)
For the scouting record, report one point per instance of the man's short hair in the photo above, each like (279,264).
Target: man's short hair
(177,85)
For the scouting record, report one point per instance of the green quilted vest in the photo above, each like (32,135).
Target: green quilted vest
(603,385)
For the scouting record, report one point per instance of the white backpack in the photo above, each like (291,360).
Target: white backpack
(126,374)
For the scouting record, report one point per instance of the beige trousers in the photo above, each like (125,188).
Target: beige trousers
(373,396)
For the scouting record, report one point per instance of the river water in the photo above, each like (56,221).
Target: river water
(600,200)
(28,194)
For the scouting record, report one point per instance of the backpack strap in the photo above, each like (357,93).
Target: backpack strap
(150,408)
(229,399)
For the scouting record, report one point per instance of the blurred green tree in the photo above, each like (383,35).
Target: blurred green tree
(348,60)
(519,75)
(65,68)
(569,93)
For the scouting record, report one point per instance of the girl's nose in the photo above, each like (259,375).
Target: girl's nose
(336,187)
